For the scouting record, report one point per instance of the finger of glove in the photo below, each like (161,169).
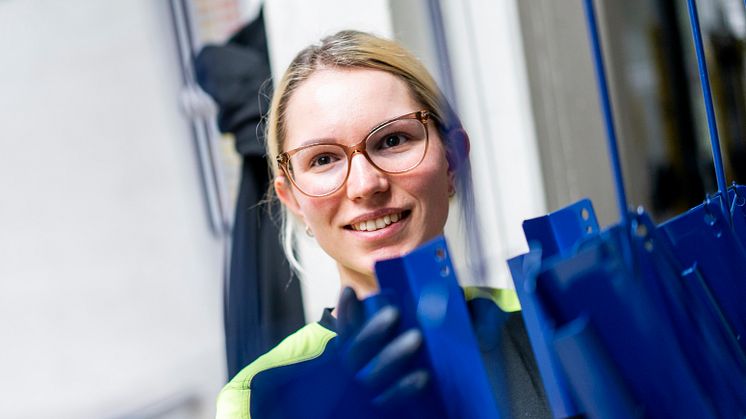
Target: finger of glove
(373,337)
(406,388)
(392,362)
(350,314)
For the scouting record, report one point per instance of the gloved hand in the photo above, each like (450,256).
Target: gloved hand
(378,357)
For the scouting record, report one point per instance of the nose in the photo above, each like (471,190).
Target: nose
(365,180)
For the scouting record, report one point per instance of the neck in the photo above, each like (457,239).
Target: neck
(364,284)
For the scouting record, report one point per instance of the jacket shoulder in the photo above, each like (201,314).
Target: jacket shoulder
(307,343)
(506,299)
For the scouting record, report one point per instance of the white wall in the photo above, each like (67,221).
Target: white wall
(492,89)
(110,298)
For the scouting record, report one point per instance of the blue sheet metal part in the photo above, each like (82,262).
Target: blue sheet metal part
(703,240)
(561,230)
(423,285)
(540,333)
(654,292)
(631,325)
(598,385)
(694,317)
(738,211)
(550,236)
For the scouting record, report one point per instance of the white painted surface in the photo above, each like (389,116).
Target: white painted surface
(110,298)
(493,97)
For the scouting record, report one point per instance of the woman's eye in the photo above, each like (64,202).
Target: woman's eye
(393,140)
(322,160)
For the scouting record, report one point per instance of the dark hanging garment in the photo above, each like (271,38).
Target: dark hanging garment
(263,303)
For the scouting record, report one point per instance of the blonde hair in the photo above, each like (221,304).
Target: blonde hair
(354,49)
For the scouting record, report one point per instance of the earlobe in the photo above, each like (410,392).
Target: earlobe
(284,192)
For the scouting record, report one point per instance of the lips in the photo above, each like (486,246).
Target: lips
(378,222)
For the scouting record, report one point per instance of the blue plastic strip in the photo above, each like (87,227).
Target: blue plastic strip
(711,122)
(603,90)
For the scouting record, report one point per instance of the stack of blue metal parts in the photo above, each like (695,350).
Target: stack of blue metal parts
(639,319)
(635,320)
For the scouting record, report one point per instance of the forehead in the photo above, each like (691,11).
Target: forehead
(343,104)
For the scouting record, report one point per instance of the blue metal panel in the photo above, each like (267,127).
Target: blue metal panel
(561,230)
(597,385)
(703,239)
(541,335)
(738,212)
(423,286)
(599,284)
(694,317)
(550,236)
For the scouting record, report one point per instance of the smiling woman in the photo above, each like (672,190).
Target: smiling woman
(342,106)
(367,154)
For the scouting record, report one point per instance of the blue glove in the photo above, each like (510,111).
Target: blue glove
(379,357)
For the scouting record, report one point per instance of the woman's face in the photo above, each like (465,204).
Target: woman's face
(343,105)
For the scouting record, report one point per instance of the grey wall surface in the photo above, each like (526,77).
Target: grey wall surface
(110,278)
(568,121)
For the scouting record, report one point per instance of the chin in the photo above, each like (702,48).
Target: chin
(392,252)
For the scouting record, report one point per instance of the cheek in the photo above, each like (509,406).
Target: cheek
(438,175)
(432,186)
(317,213)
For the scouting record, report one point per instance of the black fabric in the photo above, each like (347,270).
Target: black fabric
(328,321)
(509,359)
(262,303)
(236,75)
(318,388)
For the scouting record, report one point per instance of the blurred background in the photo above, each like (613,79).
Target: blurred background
(138,274)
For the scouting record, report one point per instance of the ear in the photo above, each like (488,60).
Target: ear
(284,191)
(451,183)
(459,151)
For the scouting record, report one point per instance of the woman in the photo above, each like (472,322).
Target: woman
(366,154)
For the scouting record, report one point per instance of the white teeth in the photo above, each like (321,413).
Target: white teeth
(377,224)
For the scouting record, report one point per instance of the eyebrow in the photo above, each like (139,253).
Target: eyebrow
(318,141)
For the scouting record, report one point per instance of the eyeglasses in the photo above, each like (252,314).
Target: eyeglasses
(394,146)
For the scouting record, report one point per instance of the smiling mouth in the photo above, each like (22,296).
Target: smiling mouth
(379,223)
